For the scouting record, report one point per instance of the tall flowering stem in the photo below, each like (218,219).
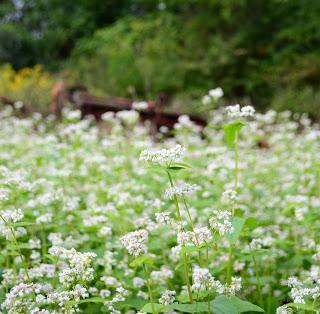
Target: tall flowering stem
(256,270)
(236,184)
(192,228)
(232,137)
(15,241)
(185,257)
(146,273)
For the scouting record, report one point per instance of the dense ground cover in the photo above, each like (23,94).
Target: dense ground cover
(97,219)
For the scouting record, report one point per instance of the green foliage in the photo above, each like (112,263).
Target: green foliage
(143,54)
(233,305)
(231,131)
(269,56)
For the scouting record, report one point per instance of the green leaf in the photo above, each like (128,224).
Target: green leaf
(158,308)
(233,305)
(300,306)
(22,224)
(139,261)
(237,223)
(230,132)
(178,166)
(20,245)
(90,300)
(251,222)
(192,248)
(189,308)
(93,300)
(132,302)
(182,164)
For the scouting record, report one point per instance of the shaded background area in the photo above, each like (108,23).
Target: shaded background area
(265,53)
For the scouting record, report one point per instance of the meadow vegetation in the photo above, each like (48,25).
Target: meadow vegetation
(106,219)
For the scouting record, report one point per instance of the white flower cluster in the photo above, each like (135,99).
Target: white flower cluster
(71,114)
(17,300)
(185,123)
(4,194)
(134,242)
(221,222)
(167,297)
(299,292)
(129,117)
(79,269)
(163,157)
(235,285)
(237,112)
(45,218)
(229,196)
(164,218)
(201,235)
(120,295)
(161,276)
(26,298)
(12,215)
(204,281)
(213,95)
(284,310)
(180,190)
(140,105)
(198,236)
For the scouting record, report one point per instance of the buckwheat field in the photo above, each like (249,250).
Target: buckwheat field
(105,218)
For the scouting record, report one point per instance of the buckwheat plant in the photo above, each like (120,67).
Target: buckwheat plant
(169,160)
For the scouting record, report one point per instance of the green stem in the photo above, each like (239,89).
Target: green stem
(17,245)
(236,162)
(230,264)
(44,242)
(236,183)
(192,228)
(149,288)
(175,197)
(185,257)
(258,279)
(209,306)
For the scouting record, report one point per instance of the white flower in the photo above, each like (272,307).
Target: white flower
(163,218)
(256,244)
(204,281)
(284,310)
(128,116)
(138,282)
(237,112)
(221,222)
(229,196)
(180,190)
(134,242)
(12,215)
(162,275)
(206,99)
(163,157)
(45,218)
(139,105)
(108,116)
(201,235)
(167,297)
(216,93)
(236,284)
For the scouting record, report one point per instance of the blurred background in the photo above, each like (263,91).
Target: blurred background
(261,52)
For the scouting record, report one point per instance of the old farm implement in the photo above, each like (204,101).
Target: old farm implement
(81,99)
